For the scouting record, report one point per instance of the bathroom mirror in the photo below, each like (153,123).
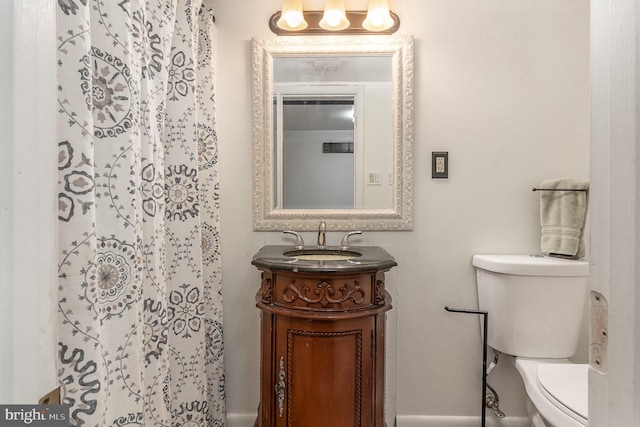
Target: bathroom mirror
(333,132)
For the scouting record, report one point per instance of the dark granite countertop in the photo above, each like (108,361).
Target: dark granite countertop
(371,258)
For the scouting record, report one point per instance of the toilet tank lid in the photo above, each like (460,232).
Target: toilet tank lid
(531,265)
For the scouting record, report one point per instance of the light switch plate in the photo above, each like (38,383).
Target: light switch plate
(374,178)
(439,164)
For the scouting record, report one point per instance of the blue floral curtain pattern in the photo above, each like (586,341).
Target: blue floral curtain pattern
(140,294)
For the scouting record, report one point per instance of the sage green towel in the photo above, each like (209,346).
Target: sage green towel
(562,216)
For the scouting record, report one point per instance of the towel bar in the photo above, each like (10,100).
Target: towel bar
(559,189)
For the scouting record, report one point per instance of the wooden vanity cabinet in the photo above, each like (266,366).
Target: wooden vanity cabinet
(322,349)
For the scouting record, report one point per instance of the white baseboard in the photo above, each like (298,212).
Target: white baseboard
(247,420)
(454,421)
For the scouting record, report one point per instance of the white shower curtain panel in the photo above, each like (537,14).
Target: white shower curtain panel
(140,297)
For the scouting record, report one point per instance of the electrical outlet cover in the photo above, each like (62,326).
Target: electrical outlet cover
(440,164)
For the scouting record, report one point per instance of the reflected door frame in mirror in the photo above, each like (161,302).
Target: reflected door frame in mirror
(400,51)
(318,135)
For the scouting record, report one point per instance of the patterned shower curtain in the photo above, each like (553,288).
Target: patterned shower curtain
(140,302)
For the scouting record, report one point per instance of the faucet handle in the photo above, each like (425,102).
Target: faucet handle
(344,244)
(299,241)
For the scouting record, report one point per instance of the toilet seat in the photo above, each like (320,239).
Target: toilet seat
(567,387)
(555,395)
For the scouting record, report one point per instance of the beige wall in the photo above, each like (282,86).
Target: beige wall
(503,86)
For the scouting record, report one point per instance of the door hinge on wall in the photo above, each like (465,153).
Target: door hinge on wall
(599,333)
(51,398)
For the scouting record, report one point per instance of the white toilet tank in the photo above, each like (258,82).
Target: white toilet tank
(535,303)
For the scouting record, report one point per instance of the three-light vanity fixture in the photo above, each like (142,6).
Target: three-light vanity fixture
(292,20)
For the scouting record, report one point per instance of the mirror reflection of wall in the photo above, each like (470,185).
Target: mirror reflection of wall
(317,152)
(308,91)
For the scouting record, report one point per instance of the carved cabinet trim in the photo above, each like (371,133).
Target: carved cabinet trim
(306,291)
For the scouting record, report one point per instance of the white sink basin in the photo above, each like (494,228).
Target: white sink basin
(322,254)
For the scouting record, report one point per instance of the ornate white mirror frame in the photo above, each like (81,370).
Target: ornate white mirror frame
(400,215)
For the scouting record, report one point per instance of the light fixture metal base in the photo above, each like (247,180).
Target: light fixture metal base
(313,17)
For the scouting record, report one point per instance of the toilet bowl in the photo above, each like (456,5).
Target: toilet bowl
(535,307)
(557,392)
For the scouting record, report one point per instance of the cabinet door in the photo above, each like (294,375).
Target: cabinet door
(325,372)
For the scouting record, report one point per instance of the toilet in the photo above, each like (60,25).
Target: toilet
(535,305)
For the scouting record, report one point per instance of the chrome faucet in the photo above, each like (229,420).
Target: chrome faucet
(322,238)
(344,244)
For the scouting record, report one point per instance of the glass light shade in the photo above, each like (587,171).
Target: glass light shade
(335,18)
(378,17)
(291,17)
